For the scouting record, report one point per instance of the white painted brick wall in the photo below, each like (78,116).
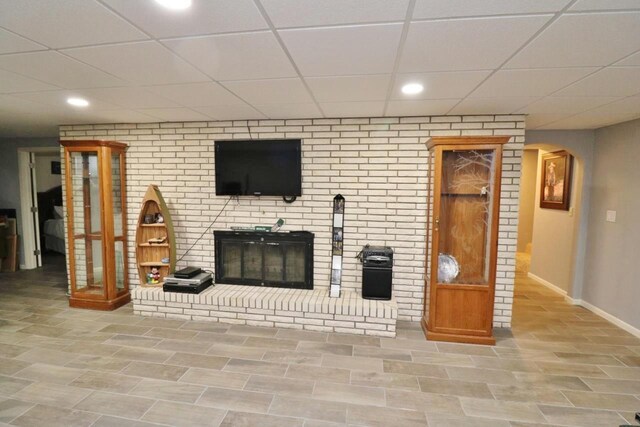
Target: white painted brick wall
(380,165)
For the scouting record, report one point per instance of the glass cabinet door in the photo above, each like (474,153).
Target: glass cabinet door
(117,188)
(87,223)
(464,216)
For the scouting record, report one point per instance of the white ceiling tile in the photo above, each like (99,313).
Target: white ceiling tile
(13,43)
(11,83)
(58,99)
(130,97)
(539,120)
(276,91)
(235,56)
(349,88)
(611,81)
(582,40)
(57,69)
(466,44)
(307,13)
(289,111)
(632,60)
(174,114)
(203,17)
(496,105)
(422,107)
(430,9)
(439,85)
(231,112)
(117,116)
(197,94)
(143,63)
(353,109)
(565,105)
(366,49)
(59,24)
(535,82)
(590,5)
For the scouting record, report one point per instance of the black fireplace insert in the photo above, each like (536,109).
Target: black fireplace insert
(280,260)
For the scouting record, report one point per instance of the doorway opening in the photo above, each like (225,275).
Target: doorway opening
(547,247)
(41,207)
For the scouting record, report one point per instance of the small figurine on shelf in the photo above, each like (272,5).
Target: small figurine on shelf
(159,218)
(153,277)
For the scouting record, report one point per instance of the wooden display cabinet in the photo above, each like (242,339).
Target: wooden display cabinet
(464,190)
(96,223)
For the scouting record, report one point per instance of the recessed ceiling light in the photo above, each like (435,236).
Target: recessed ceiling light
(78,102)
(412,88)
(175,4)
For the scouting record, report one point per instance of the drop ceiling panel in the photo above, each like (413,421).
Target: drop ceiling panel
(203,17)
(430,9)
(13,43)
(174,114)
(11,83)
(466,44)
(307,13)
(566,105)
(584,5)
(366,49)
(66,23)
(230,112)
(349,88)
(496,105)
(420,107)
(235,56)
(58,99)
(538,82)
(611,81)
(630,60)
(57,69)
(197,94)
(276,91)
(582,40)
(353,109)
(129,97)
(440,85)
(289,111)
(117,116)
(142,63)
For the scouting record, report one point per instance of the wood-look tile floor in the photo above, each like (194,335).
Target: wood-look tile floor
(560,365)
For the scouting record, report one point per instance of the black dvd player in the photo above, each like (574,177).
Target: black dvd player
(187,287)
(188,272)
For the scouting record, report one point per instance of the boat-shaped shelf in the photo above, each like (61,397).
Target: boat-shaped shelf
(155,239)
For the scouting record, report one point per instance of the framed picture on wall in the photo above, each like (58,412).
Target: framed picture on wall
(55,168)
(555,185)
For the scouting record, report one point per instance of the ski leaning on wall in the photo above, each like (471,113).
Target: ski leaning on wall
(337,240)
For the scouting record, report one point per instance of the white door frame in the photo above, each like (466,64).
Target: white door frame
(28,199)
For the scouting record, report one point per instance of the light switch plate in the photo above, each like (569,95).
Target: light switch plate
(611,216)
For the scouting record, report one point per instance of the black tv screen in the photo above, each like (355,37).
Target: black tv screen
(258,167)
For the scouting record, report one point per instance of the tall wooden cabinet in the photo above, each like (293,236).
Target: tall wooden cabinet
(96,223)
(464,200)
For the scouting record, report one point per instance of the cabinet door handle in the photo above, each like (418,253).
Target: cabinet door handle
(437,227)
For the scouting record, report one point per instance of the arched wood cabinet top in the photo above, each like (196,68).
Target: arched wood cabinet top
(465,140)
(90,143)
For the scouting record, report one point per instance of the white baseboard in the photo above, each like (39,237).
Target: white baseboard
(582,303)
(547,284)
(610,317)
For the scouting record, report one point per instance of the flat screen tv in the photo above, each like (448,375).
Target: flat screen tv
(268,167)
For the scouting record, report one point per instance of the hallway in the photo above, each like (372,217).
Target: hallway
(560,366)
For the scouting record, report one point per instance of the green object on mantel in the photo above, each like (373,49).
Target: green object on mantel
(262,228)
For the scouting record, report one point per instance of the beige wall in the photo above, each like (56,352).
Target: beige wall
(612,263)
(552,252)
(527,198)
(44,179)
